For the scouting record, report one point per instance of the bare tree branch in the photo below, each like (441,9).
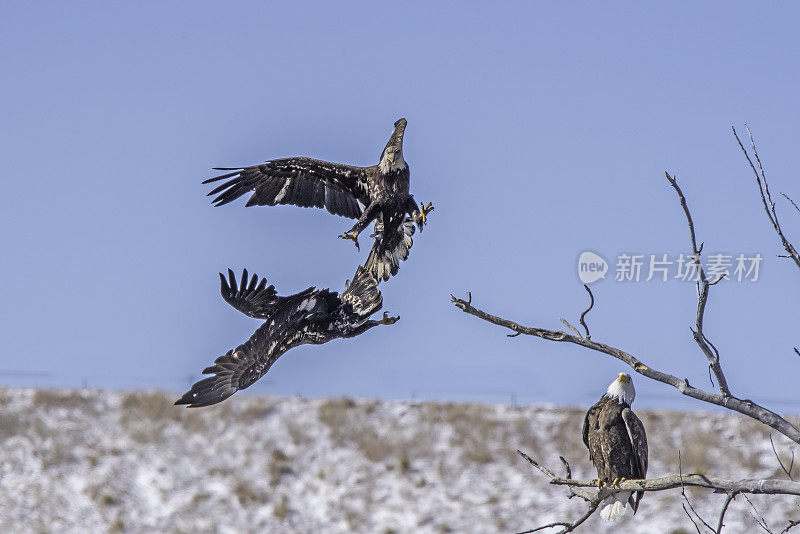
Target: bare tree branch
(792,523)
(770,486)
(766,197)
(753,486)
(732,495)
(719,485)
(731,402)
(568,527)
(702,297)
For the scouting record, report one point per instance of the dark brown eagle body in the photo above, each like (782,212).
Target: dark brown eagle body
(312,316)
(616,440)
(378,193)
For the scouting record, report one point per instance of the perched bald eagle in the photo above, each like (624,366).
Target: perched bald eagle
(379,193)
(617,444)
(312,316)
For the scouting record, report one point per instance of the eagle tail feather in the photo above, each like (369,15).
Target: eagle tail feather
(389,249)
(362,293)
(615,506)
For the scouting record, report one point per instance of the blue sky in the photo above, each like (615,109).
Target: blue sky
(538,130)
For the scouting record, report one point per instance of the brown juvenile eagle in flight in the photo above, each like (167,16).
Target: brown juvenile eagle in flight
(312,316)
(379,193)
(617,445)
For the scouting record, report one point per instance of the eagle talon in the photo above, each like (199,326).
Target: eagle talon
(388,320)
(353,236)
(422,217)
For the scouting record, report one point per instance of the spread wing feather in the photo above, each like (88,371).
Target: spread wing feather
(253,297)
(239,368)
(305,182)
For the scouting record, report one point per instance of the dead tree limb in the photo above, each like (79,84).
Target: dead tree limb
(766,197)
(731,402)
(595,497)
(703,285)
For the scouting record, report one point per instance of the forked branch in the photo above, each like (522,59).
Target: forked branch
(703,286)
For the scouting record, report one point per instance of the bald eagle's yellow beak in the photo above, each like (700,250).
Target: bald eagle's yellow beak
(624,379)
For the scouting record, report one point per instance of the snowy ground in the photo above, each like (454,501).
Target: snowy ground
(95,461)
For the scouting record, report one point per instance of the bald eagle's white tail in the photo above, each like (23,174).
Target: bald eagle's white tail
(614,506)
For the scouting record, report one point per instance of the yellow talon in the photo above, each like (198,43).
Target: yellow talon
(353,236)
(388,320)
(424,210)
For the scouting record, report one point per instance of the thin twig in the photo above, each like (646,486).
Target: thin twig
(572,328)
(568,527)
(780,462)
(757,516)
(790,200)
(696,526)
(766,198)
(731,495)
(686,498)
(566,466)
(591,305)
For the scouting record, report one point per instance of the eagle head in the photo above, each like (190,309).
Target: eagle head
(392,155)
(622,389)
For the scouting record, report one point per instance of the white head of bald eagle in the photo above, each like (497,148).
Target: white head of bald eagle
(617,444)
(392,155)
(622,389)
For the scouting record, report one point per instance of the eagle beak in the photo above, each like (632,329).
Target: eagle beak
(623,379)
(394,158)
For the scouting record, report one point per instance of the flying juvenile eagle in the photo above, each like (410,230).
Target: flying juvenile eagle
(312,316)
(379,193)
(617,444)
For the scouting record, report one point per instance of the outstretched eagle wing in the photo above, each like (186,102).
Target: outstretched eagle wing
(305,182)
(251,297)
(241,367)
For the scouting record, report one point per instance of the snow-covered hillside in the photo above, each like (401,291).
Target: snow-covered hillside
(96,461)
